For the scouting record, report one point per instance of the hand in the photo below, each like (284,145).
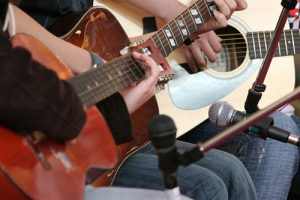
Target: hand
(224,12)
(136,95)
(207,43)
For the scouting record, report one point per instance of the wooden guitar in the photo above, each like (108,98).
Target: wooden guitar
(188,96)
(46,169)
(92,30)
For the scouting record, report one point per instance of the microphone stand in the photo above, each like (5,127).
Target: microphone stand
(201,149)
(255,93)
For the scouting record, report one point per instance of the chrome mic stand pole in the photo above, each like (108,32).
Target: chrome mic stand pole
(255,93)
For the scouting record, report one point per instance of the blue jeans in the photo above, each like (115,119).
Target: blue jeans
(219,175)
(296,180)
(271,164)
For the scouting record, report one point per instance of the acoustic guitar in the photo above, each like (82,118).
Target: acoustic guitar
(45,169)
(188,96)
(92,30)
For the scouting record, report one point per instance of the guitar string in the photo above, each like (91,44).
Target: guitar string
(90,93)
(165,41)
(107,88)
(256,37)
(105,85)
(189,21)
(283,48)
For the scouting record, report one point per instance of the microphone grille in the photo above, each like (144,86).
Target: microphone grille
(220,113)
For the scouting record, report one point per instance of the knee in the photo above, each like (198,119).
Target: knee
(205,186)
(233,172)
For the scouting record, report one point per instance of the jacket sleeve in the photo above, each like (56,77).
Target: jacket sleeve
(117,117)
(33,98)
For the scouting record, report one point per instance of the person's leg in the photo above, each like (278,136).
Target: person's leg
(117,193)
(195,181)
(271,164)
(296,181)
(232,172)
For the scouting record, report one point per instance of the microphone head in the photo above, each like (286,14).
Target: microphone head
(220,113)
(162,131)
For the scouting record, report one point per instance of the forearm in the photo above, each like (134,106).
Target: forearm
(77,59)
(163,9)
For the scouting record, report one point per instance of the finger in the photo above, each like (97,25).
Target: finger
(215,41)
(231,5)
(223,7)
(219,20)
(190,60)
(197,53)
(241,4)
(139,57)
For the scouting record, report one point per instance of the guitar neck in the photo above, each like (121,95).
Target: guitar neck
(107,79)
(258,43)
(174,33)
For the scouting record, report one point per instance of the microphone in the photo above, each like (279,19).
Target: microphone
(223,114)
(162,132)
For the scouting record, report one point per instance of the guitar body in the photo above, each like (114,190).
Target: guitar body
(47,169)
(188,96)
(99,31)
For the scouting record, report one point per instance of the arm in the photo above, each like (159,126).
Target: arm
(77,59)
(208,43)
(34,98)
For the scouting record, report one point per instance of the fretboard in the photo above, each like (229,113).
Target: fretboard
(179,29)
(107,79)
(258,43)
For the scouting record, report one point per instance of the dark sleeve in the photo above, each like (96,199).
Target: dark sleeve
(46,12)
(117,117)
(34,98)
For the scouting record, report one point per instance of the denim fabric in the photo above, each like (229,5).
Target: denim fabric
(296,180)
(219,175)
(271,164)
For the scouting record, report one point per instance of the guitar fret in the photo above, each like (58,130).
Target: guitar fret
(265,40)
(287,45)
(289,42)
(184,30)
(155,42)
(268,42)
(279,47)
(179,37)
(250,45)
(262,43)
(293,41)
(192,12)
(172,38)
(286,48)
(177,33)
(162,45)
(178,30)
(296,34)
(95,85)
(259,46)
(254,46)
(169,38)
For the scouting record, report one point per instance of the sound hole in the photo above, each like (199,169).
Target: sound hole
(233,50)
